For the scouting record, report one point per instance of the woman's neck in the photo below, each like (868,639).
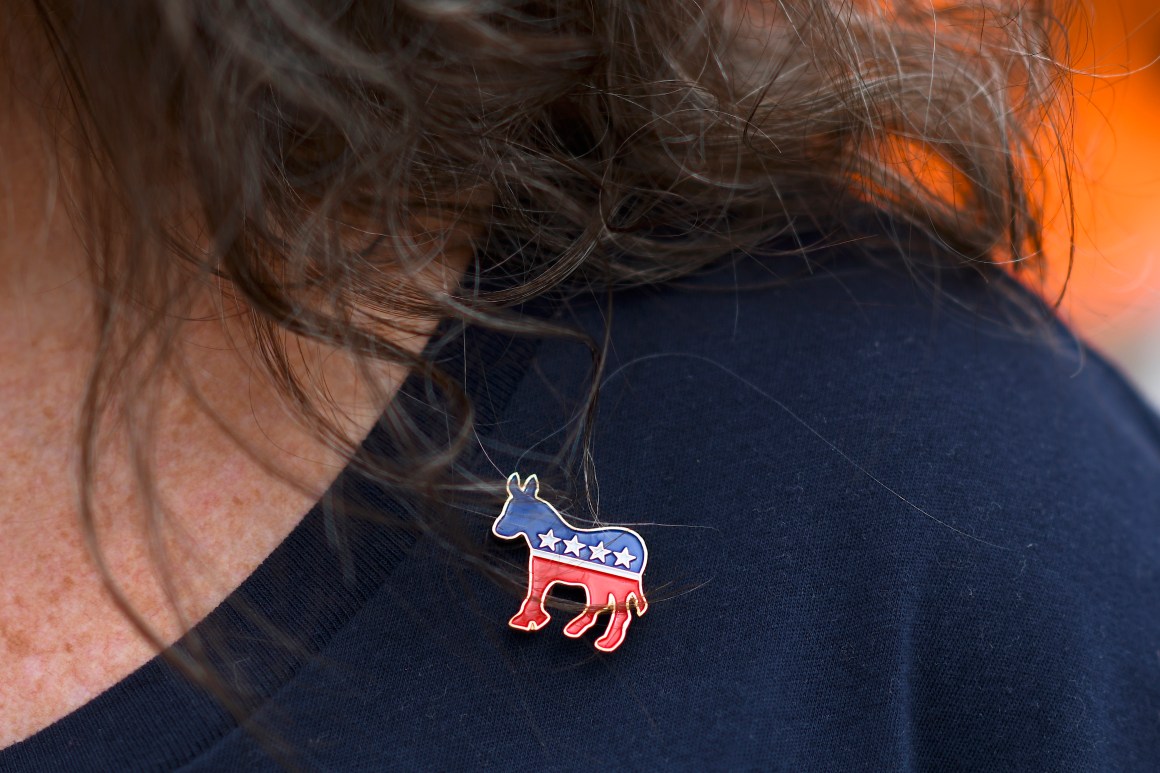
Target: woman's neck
(63,638)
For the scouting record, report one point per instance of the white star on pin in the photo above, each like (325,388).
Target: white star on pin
(573,546)
(548,540)
(599,552)
(624,558)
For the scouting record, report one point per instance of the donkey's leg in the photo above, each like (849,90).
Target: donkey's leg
(617,626)
(532,615)
(583,621)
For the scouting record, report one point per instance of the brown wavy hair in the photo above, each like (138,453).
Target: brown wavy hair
(323,147)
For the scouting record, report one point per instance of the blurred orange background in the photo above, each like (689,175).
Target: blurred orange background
(1114,292)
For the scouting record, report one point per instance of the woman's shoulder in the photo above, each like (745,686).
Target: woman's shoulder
(953,399)
(884,504)
(887,528)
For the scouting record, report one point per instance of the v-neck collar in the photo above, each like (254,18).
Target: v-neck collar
(291,606)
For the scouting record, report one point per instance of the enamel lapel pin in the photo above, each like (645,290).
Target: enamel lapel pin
(607,563)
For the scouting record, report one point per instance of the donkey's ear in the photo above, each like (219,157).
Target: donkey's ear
(513,484)
(531,486)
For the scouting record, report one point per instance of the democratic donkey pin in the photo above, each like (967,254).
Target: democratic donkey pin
(607,563)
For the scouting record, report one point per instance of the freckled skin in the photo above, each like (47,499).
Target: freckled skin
(16,643)
(62,638)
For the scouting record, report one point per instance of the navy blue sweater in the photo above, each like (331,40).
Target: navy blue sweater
(889,528)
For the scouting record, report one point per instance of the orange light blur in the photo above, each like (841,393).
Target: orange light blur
(1115,279)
